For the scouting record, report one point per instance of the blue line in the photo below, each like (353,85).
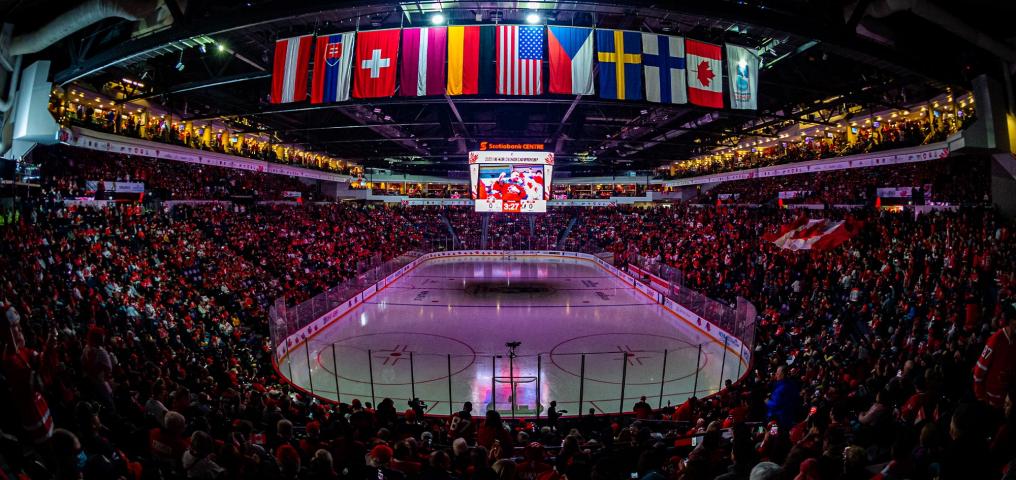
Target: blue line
(625,287)
(525,277)
(512,306)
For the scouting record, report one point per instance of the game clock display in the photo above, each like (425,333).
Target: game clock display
(511,181)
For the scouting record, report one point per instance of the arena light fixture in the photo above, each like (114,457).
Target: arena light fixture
(437,19)
(533,18)
(221,48)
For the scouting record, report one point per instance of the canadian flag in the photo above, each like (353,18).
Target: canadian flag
(816,234)
(704,63)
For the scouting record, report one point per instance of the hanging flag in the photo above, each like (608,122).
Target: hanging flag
(742,76)
(619,54)
(423,61)
(663,58)
(333,59)
(376,54)
(470,60)
(289,72)
(570,55)
(519,60)
(705,74)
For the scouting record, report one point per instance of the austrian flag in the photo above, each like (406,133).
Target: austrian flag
(289,70)
(705,73)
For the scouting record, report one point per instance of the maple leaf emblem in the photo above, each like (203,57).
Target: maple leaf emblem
(705,75)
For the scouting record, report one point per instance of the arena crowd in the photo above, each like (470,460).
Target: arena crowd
(136,346)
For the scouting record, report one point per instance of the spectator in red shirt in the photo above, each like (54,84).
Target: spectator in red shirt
(995,372)
(491,430)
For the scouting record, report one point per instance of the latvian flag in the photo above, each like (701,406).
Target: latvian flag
(818,234)
(289,72)
(423,61)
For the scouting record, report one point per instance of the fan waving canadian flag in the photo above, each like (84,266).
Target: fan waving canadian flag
(704,62)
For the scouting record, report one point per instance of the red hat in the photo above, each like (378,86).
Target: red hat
(313,427)
(382,453)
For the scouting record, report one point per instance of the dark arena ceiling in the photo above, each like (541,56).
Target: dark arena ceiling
(820,58)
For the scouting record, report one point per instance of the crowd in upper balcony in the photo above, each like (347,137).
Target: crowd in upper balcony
(898,130)
(75,108)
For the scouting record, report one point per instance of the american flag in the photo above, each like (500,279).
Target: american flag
(519,60)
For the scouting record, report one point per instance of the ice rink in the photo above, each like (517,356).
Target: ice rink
(440,331)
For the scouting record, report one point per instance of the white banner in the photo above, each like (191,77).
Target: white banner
(791,194)
(922,153)
(104,142)
(742,77)
(895,192)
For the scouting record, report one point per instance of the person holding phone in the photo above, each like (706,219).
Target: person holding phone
(785,401)
(493,429)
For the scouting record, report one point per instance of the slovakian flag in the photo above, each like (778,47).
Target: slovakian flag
(619,54)
(377,52)
(423,61)
(742,77)
(333,58)
(470,60)
(663,60)
(705,73)
(519,60)
(289,71)
(570,55)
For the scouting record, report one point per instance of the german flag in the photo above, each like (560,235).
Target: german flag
(470,60)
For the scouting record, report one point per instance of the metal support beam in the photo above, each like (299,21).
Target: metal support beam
(458,118)
(192,86)
(564,119)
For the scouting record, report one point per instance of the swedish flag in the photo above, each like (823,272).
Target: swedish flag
(619,54)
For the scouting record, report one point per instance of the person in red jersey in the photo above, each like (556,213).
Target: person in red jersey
(498,188)
(996,367)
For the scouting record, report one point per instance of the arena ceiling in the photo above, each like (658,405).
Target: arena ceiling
(821,58)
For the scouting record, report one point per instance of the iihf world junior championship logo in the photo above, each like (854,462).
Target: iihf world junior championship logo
(742,83)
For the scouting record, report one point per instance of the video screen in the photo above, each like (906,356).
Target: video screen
(512,182)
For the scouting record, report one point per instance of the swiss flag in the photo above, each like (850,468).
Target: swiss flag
(704,63)
(377,54)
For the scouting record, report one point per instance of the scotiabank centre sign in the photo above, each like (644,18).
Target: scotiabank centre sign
(485,145)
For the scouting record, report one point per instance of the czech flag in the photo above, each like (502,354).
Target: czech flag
(571,60)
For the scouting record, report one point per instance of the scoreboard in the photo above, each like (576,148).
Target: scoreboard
(510,181)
